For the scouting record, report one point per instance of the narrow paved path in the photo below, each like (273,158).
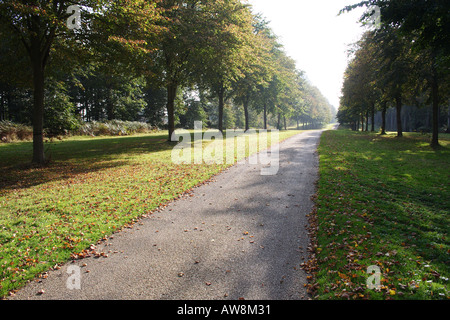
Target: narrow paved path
(241,236)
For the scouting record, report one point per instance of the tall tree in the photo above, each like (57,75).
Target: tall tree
(224,58)
(397,69)
(258,69)
(192,41)
(282,90)
(362,79)
(40,25)
(36,24)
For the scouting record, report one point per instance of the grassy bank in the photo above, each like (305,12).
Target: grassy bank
(91,188)
(382,201)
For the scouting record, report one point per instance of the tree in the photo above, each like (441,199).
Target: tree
(36,24)
(192,42)
(318,109)
(397,69)
(258,69)
(42,29)
(428,22)
(224,59)
(193,111)
(156,102)
(361,89)
(266,91)
(381,71)
(282,91)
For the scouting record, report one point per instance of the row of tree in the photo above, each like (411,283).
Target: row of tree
(404,61)
(162,61)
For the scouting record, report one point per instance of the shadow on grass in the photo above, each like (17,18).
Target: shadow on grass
(71,157)
(399,186)
(275,208)
(75,156)
(79,155)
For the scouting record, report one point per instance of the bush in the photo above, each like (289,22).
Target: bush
(10,131)
(113,128)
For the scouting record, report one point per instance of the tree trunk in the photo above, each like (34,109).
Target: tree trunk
(398,101)
(265,116)
(435,95)
(367,120)
(109,105)
(391,118)
(383,119)
(362,122)
(38,101)
(247,126)
(220,93)
(2,107)
(171,94)
(448,119)
(406,119)
(372,117)
(279,121)
(246,101)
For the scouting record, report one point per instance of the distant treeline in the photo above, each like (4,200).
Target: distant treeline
(414,119)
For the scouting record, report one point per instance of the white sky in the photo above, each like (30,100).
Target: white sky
(315,37)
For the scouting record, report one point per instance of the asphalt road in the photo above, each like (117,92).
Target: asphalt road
(241,236)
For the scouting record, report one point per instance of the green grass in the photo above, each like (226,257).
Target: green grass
(382,201)
(92,188)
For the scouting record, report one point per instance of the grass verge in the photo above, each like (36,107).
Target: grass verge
(382,201)
(92,188)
